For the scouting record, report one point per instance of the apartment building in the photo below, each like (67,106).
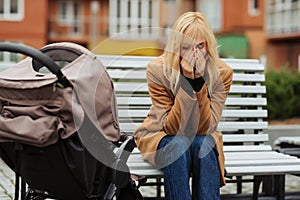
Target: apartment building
(282,31)
(266,29)
(23,22)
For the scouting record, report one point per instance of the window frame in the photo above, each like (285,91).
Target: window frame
(66,16)
(253,7)
(8,15)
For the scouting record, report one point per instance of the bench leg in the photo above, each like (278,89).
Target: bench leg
(279,186)
(256,184)
(267,187)
(274,186)
(239,185)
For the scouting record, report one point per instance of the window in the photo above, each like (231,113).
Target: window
(8,58)
(133,19)
(253,7)
(70,15)
(11,9)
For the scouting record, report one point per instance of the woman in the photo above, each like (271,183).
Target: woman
(188,86)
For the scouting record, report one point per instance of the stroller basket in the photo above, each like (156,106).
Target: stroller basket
(59,130)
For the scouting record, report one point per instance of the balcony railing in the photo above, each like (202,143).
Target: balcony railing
(91,28)
(283,18)
(85,28)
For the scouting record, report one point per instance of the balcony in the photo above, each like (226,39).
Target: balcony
(83,29)
(282,19)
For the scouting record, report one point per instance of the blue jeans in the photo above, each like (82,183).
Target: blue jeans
(180,158)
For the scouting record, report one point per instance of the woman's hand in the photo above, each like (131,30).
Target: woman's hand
(193,62)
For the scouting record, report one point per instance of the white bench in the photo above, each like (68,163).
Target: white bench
(243,124)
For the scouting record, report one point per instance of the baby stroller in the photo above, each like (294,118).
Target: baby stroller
(58,142)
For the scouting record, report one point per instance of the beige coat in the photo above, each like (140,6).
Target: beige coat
(170,113)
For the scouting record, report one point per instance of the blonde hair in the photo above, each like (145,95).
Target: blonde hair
(190,25)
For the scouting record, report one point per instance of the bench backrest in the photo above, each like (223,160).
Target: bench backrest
(243,118)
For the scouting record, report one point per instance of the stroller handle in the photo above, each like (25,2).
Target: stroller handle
(39,56)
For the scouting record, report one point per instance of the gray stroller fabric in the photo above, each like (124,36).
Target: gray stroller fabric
(35,110)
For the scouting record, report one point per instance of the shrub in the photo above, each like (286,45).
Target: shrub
(283,94)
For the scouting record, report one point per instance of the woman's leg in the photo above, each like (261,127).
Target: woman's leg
(206,175)
(174,156)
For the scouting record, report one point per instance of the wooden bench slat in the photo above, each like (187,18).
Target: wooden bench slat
(233,171)
(232,125)
(248,89)
(244,148)
(245,113)
(134,101)
(256,156)
(130,87)
(249,65)
(237,158)
(139,165)
(248,77)
(148,173)
(112,61)
(141,74)
(266,162)
(235,148)
(245,101)
(263,170)
(142,113)
(137,162)
(245,137)
(223,126)
(233,167)
(143,87)
(125,75)
(231,101)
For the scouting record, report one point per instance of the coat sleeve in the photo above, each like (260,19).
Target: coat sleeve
(168,114)
(211,106)
(176,109)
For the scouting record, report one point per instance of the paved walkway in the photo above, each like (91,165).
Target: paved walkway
(292,182)
(7,185)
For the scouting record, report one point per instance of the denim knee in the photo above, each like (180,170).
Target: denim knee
(170,149)
(203,145)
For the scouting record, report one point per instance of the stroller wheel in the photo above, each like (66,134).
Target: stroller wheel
(35,194)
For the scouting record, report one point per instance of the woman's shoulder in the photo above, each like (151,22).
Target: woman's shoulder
(224,69)
(156,63)
(155,72)
(155,66)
